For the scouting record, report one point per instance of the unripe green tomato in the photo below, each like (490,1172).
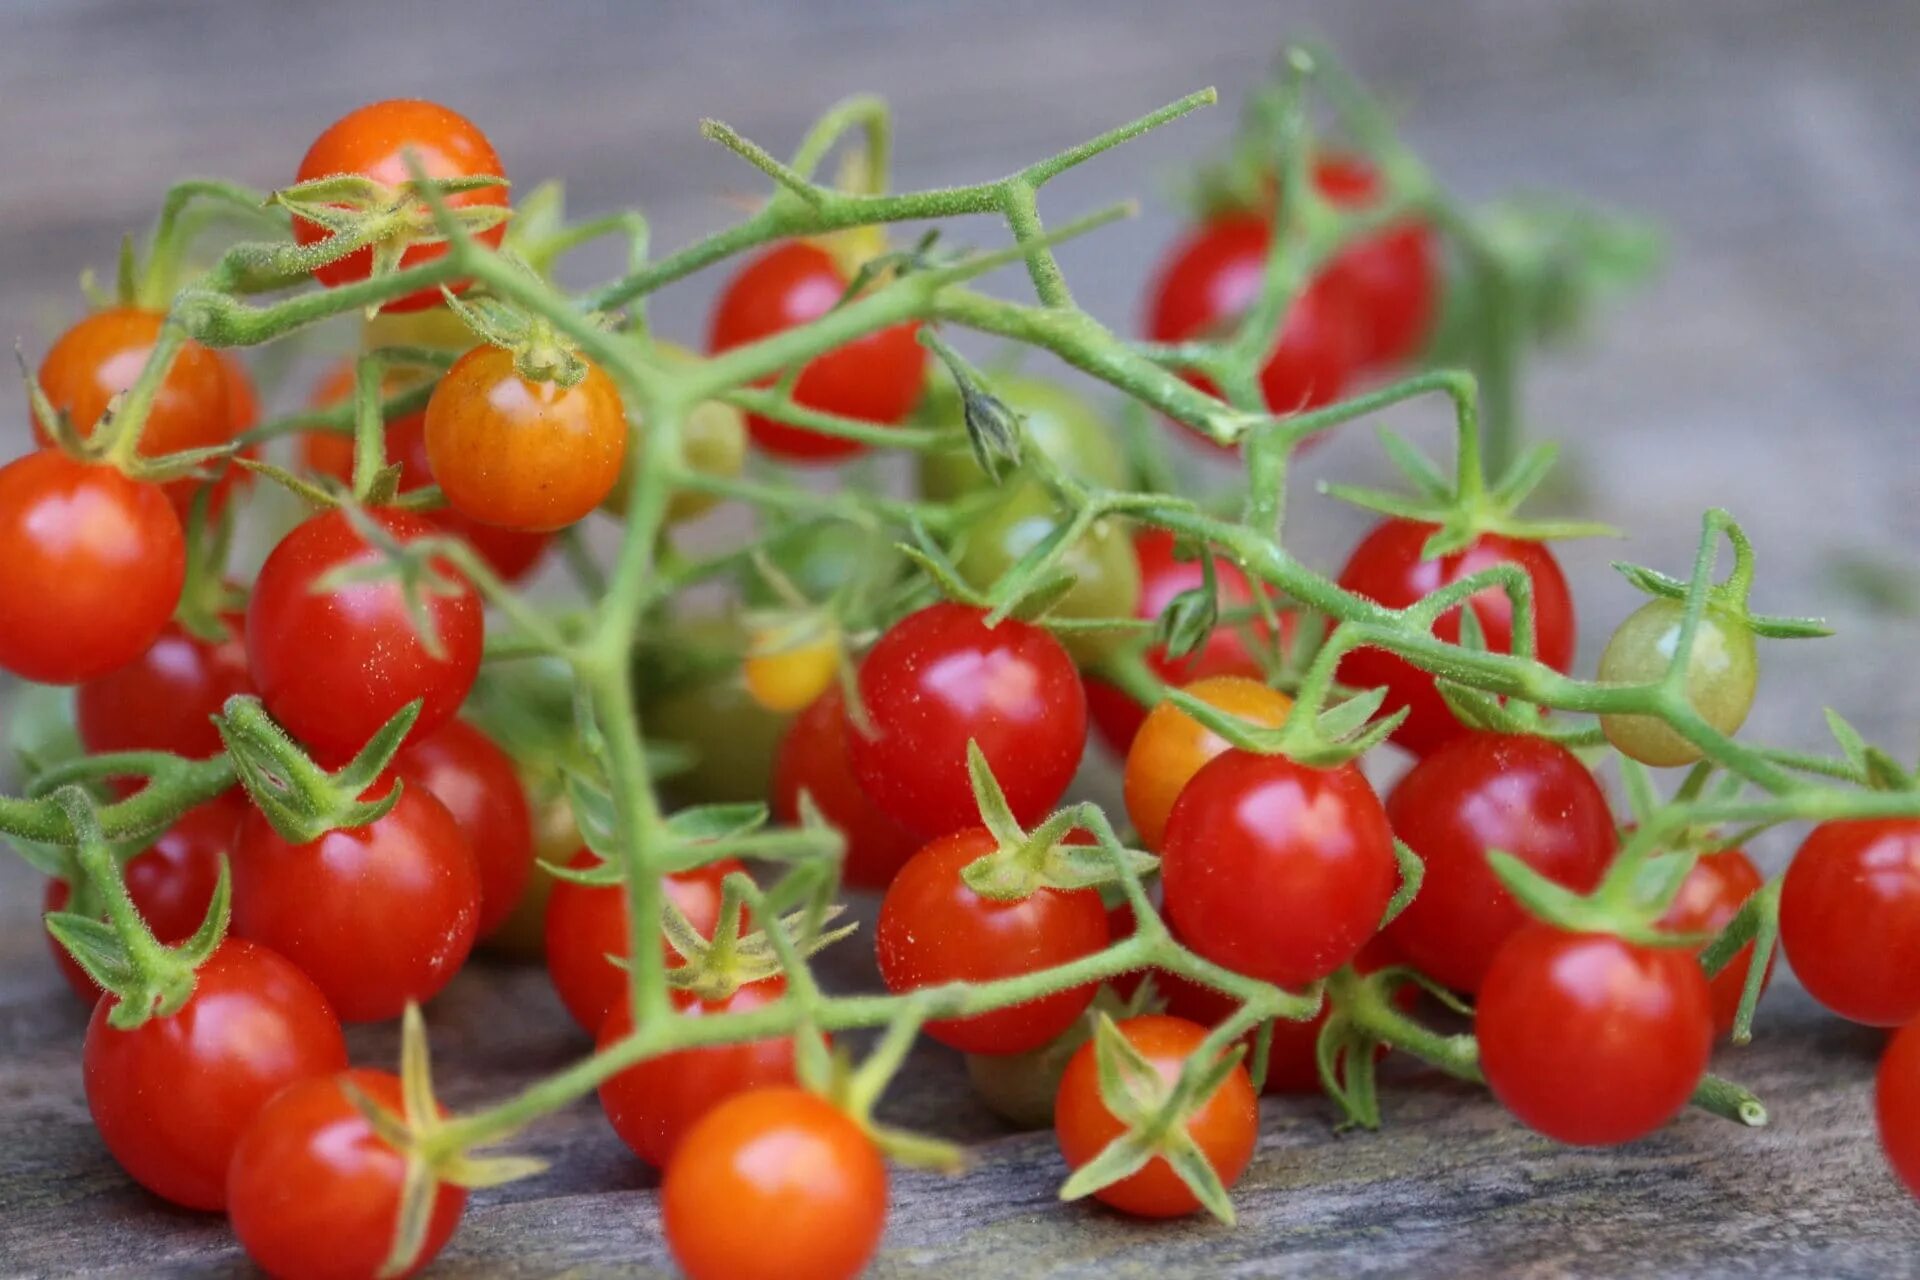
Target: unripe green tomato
(821,558)
(732,738)
(1058,422)
(713,442)
(1020,1087)
(1102,561)
(1722,671)
(556,838)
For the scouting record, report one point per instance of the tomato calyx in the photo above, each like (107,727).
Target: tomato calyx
(1362,1018)
(297,797)
(115,438)
(1319,739)
(541,353)
(1044,858)
(1725,601)
(712,969)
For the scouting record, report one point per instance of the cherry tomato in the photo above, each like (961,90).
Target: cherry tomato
(1525,796)
(941,677)
(787,673)
(1590,1039)
(1387,567)
(713,442)
(1068,430)
(876,378)
(373,142)
(1723,670)
(1390,278)
(171,883)
(314,1194)
(464,770)
(376,915)
(810,1183)
(523,934)
(935,929)
(534,456)
(588,923)
(652,1105)
(692,697)
(1710,897)
(813,759)
(1850,918)
(333,666)
(243,415)
(165,699)
(172,1097)
(1897,1105)
(1256,840)
(823,557)
(1172,746)
(91,565)
(1224,1126)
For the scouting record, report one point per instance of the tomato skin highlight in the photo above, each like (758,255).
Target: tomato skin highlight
(1850,918)
(479,784)
(314,1194)
(172,1097)
(935,929)
(91,565)
(165,699)
(810,1183)
(1523,795)
(813,759)
(1172,746)
(1897,1105)
(1225,1126)
(1710,897)
(1592,1040)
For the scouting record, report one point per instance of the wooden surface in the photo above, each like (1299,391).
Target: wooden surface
(1772,370)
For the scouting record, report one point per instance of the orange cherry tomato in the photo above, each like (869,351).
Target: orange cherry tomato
(1171,746)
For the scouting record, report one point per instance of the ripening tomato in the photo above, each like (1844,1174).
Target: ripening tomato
(875,379)
(165,699)
(377,916)
(373,142)
(1723,670)
(1225,1125)
(1390,278)
(935,929)
(467,772)
(774,1184)
(1255,840)
(172,1096)
(1172,746)
(941,677)
(652,1105)
(1897,1105)
(1850,918)
(1387,567)
(787,672)
(1522,795)
(1710,897)
(91,565)
(314,1193)
(813,759)
(1590,1039)
(334,665)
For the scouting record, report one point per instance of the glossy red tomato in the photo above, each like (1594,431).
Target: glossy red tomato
(171,884)
(876,378)
(1277,870)
(1387,567)
(1225,1125)
(813,759)
(935,929)
(588,923)
(774,1184)
(1710,897)
(1850,918)
(172,1096)
(1525,796)
(1390,278)
(165,699)
(940,677)
(1897,1104)
(372,142)
(333,666)
(314,1194)
(376,915)
(652,1105)
(90,568)
(464,770)
(1590,1039)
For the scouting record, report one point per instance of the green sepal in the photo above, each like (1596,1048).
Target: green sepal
(1413,872)
(718,821)
(1188,621)
(1565,909)
(297,797)
(95,947)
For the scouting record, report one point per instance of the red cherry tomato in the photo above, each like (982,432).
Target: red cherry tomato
(372,142)
(935,929)
(1390,278)
(1850,918)
(876,378)
(172,1096)
(165,699)
(1277,870)
(1710,897)
(775,1184)
(376,915)
(652,1105)
(464,770)
(333,666)
(1590,1039)
(1525,796)
(1387,567)
(90,568)
(588,923)
(1224,1126)
(314,1194)
(1897,1104)
(940,677)
(813,759)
